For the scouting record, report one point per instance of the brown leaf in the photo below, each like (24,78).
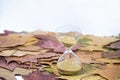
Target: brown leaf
(30,58)
(93,77)
(106,60)
(16,39)
(14,52)
(37,75)
(11,66)
(114,45)
(48,55)
(11,40)
(111,54)
(6,74)
(110,72)
(23,53)
(30,43)
(30,48)
(22,71)
(88,56)
(2,40)
(49,59)
(7,52)
(27,58)
(96,42)
(4,48)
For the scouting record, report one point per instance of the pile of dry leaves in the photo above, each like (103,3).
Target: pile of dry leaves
(33,55)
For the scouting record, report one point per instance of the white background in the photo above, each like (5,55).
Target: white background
(99,17)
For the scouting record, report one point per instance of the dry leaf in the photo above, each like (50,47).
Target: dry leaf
(55,58)
(22,71)
(30,48)
(12,40)
(6,74)
(114,45)
(105,60)
(23,53)
(27,58)
(93,77)
(96,43)
(88,57)
(111,54)
(30,43)
(11,66)
(48,55)
(2,40)
(16,39)
(110,72)
(4,48)
(7,52)
(30,58)
(37,75)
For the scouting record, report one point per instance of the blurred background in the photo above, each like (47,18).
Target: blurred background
(98,17)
